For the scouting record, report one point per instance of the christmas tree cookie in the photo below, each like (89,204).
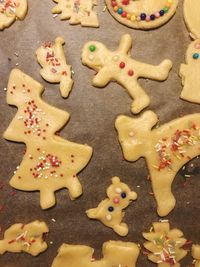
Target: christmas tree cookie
(25,237)
(115,254)
(50,162)
(119,66)
(77,11)
(190,72)
(11,10)
(196,255)
(54,67)
(142,14)
(166,149)
(165,245)
(110,211)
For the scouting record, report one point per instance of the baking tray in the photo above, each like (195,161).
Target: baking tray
(93,113)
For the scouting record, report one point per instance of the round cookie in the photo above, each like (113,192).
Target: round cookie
(142,14)
(191,15)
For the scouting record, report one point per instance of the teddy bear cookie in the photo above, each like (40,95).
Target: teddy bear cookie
(165,245)
(77,11)
(190,72)
(110,211)
(50,162)
(25,237)
(191,15)
(120,67)
(166,149)
(54,67)
(142,14)
(196,255)
(11,10)
(115,253)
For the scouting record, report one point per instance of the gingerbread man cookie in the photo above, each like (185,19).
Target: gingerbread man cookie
(11,10)
(142,14)
(115,254)
(165,245)
(190,72)
(25,237)
(191,15)
(120,67)
(110,211)
(50,162)
(166,149)
(54,67)
(196,255)
(78,11)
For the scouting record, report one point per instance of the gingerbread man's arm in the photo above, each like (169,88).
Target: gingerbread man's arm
(125,44)
(102,78)
(183,71)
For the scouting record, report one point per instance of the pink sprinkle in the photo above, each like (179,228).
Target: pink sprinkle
(157,14)
(197,46)
(148,18)
(116,200)
(138,18)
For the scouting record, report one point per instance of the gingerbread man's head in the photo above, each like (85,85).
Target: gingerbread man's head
(193,53)
(120,193)
(94,55)
(134,134)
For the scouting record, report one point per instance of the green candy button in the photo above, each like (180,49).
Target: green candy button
(92,48)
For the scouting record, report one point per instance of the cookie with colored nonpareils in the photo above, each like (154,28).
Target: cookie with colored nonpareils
(110,211)
(190,72)
(77,11)
(191,10)
(166,149)
(25,238)
(120,67)
(50,162)
(196,255)
(11,10)
(142,14)
(54,66)
(115,253)
(164,245)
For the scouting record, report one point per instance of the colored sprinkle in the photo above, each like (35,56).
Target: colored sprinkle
(92,48)
(195,55)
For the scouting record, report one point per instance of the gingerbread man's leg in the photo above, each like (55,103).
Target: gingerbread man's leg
(161,185)
(121,229)
(141,99)
(159,73)
(65,85)
(74,187)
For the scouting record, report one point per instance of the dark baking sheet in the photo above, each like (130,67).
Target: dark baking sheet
(93,112)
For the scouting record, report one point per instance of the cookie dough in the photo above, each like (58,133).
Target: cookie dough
(115,254)
(25,237)
(78,11)
(166,149)
(110,211)
(196,255)
(190,73)
(191,15)
(164,245)
(142,14)
(50,162)
(11,10)
(52,59)
(120,67)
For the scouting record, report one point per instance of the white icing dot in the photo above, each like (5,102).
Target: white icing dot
(118,190)
(115,58)
(131,134)
(109,217)
(91,57)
